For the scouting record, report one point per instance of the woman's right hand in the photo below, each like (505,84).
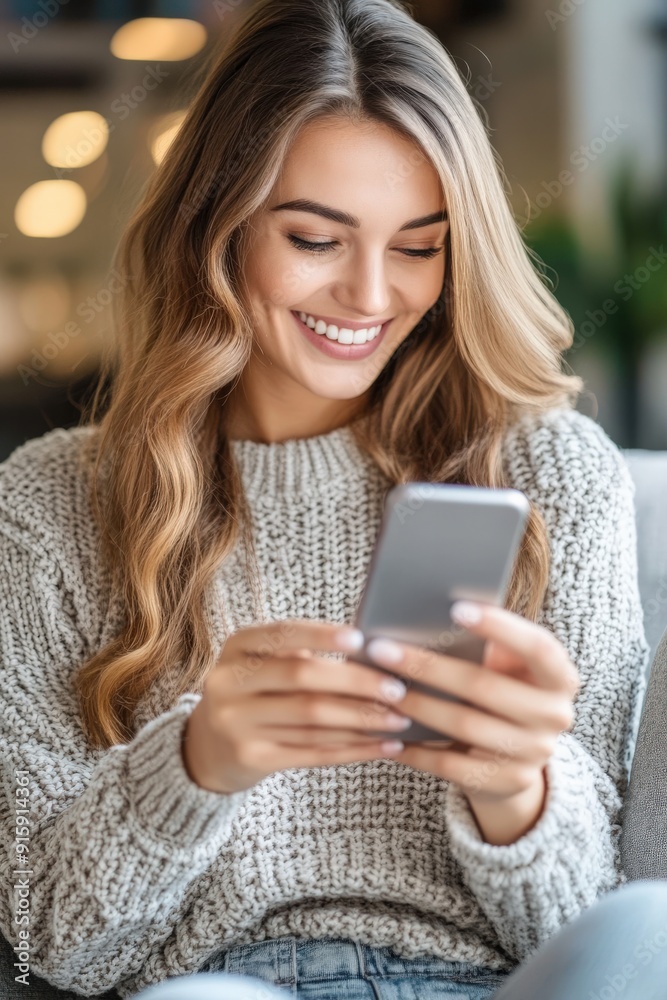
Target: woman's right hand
(270,703)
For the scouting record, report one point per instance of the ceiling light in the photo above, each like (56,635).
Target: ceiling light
(50,208)
(75,139)
(158,38)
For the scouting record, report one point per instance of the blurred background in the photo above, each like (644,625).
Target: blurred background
(575,93)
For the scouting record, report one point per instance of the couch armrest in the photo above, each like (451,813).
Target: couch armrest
(644,838)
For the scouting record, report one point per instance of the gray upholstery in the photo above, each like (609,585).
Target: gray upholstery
(38,989)
(644,840)
(648,818)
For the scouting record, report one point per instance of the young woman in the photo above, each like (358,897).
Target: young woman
(326,294)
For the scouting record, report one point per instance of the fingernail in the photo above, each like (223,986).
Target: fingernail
(392,746)
(384,651)
(466,613)
(349,639)
(393,689)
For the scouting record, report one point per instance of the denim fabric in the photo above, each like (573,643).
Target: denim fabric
(616,950)
(328,968)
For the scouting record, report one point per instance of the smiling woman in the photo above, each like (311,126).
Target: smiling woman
(377,265)
(323,294)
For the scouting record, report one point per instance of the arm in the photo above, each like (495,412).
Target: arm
(570,857)
(116,837)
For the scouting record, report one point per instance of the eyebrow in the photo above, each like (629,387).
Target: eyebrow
(335,215)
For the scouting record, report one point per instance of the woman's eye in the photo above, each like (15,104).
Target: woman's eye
(426,254)
(313,247)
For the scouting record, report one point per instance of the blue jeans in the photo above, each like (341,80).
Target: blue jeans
(617,950)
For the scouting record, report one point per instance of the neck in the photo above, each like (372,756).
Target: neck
(265,417)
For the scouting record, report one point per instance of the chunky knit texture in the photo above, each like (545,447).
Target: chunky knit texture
(139,874)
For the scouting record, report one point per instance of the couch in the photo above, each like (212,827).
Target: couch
(649,471)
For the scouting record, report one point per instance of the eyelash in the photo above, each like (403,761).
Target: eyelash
(427,254)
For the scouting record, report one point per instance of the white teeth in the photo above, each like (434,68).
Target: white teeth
(344,335)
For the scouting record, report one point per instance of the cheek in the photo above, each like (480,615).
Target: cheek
(269,274)
(420,285)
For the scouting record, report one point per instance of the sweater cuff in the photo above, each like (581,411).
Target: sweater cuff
(557,831)
(168,804)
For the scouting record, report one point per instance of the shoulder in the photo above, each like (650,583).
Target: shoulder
(43,487)
(561,453)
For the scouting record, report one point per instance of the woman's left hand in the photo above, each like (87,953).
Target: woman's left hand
(518,703)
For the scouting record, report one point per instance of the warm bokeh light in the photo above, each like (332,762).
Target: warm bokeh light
(158,38)
(163,134)
(50,208)
(75,139)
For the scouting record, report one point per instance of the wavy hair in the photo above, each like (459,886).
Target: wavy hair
(164,485)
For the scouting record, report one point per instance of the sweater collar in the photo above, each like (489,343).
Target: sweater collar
(300,465)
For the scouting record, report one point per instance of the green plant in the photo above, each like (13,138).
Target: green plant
(618,300)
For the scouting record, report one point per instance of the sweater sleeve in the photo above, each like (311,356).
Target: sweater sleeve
(531,888)
(97,848)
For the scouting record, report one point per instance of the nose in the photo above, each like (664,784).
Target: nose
(365,288)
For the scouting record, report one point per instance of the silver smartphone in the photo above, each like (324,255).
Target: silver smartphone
(437,544)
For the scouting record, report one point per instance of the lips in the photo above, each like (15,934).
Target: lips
(334,349)
(347,332)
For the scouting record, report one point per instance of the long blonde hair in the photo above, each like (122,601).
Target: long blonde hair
(172,505)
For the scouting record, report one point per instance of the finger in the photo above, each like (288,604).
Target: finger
(274,757)
(315,736)
(546,658)
(496,775)
(312,673)
(293,634)
(499,658)
(533,644)
(479,730)
(499,695)
(319,711)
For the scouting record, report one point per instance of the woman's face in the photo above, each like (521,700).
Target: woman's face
(363,250)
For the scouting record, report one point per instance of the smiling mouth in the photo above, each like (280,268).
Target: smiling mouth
(341,334)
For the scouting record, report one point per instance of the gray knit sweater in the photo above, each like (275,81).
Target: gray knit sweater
(136,873)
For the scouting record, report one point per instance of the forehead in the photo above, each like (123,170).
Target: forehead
(365,168)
